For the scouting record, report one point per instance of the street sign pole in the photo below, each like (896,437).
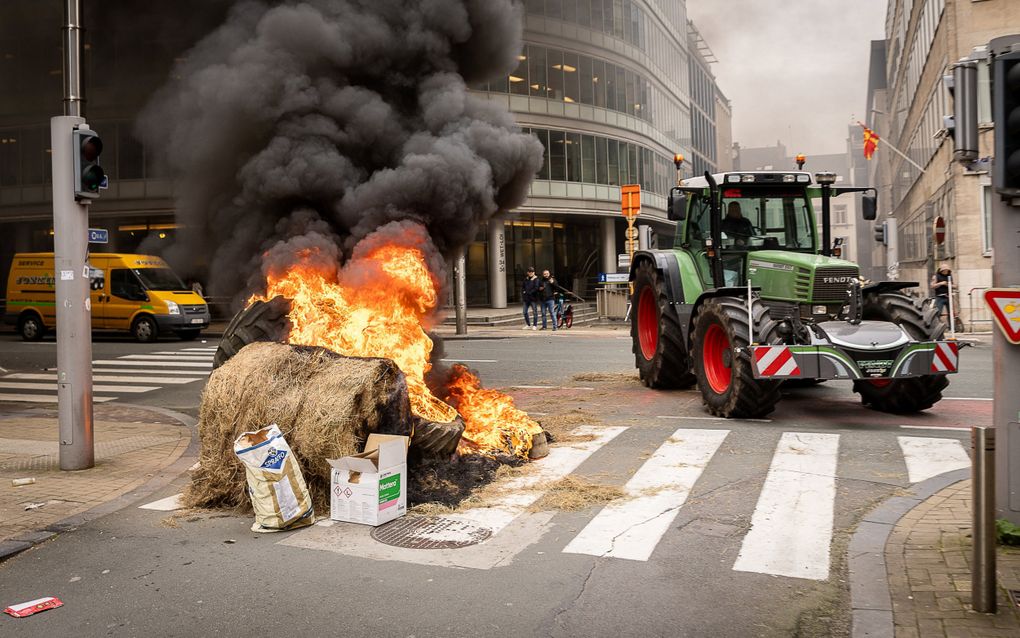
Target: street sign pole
(1006,272)
(70,270)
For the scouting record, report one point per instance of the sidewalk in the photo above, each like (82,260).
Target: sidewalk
(924,552)
(135,450)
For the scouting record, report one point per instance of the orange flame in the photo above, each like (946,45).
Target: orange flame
(380,305)
(480,407)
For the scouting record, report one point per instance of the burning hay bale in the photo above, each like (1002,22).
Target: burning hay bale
(325,404)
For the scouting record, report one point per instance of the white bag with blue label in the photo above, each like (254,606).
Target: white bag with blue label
(275,484)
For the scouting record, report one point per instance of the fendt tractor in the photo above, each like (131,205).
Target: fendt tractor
(748,299)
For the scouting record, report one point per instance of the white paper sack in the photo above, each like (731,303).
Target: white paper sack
(275,484)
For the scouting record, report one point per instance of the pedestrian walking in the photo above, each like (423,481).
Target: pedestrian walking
(940,288)
(546,293)
(529,294)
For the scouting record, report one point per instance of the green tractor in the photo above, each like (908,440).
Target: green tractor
(748,299)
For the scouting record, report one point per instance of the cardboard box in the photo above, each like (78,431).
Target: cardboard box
(371,487)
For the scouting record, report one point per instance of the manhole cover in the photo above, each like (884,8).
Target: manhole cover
(430,532)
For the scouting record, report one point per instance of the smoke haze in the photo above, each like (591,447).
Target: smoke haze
(794,71)
(304,127)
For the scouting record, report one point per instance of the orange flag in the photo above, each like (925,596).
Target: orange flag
(870,142)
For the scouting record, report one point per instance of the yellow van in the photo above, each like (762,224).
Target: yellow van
(139,293)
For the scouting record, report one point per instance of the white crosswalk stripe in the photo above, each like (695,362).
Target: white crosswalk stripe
(632,528)
(928,457)
(791,528)
(126,375)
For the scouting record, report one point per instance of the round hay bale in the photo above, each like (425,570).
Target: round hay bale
(326,405)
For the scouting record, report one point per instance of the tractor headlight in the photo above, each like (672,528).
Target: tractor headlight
(819,310)
(173,308)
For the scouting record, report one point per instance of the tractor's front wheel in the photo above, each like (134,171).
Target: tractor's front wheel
(903,396)
(658,343)
(722,363)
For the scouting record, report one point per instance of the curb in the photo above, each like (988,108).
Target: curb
(13,546)
(870,600)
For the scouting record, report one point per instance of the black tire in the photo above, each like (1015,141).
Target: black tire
(903,396)
(144,329)
(189,334)
(721,334)
(261,321)
(436,440)
(660,353)
(31,327)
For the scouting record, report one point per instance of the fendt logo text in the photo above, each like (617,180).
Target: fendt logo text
(837,280)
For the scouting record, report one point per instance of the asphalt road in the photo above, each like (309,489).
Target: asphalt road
(705,561)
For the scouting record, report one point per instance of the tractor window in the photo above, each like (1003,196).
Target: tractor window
(698,222)
(766,219)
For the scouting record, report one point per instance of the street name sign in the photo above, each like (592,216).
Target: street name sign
(1005,306)
(99,236)
(614,277)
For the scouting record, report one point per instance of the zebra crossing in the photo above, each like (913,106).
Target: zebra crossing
(791,524)
(128,375)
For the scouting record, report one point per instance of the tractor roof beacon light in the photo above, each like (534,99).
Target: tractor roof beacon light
(89,176)
(678,161)
(801,159)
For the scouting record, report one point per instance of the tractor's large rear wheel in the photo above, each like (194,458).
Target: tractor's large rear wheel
(658,343)
(902,396)
(723,364)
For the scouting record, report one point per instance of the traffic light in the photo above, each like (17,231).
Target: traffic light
(881,233)
(1006,112)
(89,176)
(962,125)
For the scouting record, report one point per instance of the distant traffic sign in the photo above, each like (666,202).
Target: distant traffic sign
(1005,306)
(630,200)
(940,230)
(99,236)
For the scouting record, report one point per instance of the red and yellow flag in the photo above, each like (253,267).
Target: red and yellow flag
(870,142)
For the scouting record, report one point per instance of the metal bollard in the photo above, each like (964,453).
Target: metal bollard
(983,576)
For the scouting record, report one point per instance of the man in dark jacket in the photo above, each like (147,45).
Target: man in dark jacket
(547,293)
(529,294)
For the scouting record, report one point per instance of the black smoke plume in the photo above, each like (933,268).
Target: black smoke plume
(312,124)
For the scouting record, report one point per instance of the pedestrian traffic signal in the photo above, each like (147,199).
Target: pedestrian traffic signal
(89,176)
(962,125)
(1006,112)
(881,233)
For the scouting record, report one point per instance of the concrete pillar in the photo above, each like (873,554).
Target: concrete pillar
(608,245)
(497,263)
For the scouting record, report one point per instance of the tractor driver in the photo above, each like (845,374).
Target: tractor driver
(735,225)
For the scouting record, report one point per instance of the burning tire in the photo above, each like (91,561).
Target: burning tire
(261,321)
(438,440)
(659,351)
(903,395)
(722,364)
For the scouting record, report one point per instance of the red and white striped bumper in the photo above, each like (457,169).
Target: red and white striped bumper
(946,357)
(831,362)
(775,361)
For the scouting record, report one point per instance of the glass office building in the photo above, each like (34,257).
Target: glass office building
(605,85)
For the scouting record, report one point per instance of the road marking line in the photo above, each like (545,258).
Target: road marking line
(926,457)
(199,349)
(549,387)
(156,357)
(967,399)
(43,398)
(15,385)
(712,418)
(104,378)
(158,364)
(168,504)
(192,373)
(791,528)
(936,427)
(470,360)
(632,528)
(181,353)
(519,493)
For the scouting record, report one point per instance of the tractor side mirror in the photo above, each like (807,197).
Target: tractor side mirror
(676,206)
(869,207)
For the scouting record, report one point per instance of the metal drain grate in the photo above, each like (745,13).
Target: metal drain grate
(430,532)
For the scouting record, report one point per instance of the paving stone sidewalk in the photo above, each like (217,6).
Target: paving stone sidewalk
(928,558)
(132,445)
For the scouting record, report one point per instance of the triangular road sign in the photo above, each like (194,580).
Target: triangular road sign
(1005,306)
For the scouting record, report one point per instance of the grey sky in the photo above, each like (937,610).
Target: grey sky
(794,71)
